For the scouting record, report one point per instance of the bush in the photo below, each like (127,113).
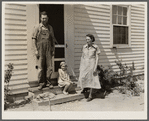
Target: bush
(8,74)
(108,79)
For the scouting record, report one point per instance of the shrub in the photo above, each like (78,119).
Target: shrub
(8,74)
(108,79)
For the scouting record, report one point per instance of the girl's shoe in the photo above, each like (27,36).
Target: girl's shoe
(65,93)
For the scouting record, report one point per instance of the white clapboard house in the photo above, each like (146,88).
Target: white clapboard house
(120,26)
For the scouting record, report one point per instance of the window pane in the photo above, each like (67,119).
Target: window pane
(120,35)
(120,10)
(124,20)
(59,53)
(125,11)
(114,9)
(119,19)
(114,19)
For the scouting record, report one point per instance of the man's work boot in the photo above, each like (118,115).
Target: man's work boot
(49,85)
(40,87)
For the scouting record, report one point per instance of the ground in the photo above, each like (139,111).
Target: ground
(115,101)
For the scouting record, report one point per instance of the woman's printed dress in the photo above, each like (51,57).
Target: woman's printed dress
(87,64)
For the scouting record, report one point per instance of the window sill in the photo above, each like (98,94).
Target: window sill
(120,46)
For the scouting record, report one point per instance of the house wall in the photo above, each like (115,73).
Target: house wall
(95,19)
(16,46)
(79,21)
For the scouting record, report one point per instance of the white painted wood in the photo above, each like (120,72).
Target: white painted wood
(92,20)
(16,56)
(11,21)
(32,20)
(69,36)
(16,47)
(15,27)
(15,42)
(90,27)
(85,7)
(18,82)
(59,59)
(11,11)
(16,7)
(103,17)
(15,36)
(90,12)
(14,16)
(18,77)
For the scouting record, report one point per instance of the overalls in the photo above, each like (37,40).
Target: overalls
(45,49)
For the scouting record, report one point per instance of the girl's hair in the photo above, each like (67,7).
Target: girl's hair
(63,62)
(91,36)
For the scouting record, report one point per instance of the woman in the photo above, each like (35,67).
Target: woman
(88,66)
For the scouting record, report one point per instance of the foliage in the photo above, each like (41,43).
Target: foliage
(128,82)
(8,74)
(107,77)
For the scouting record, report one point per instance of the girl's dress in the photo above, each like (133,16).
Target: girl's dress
(63,78)
(87,64)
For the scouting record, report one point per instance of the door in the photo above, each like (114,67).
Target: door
(56,20)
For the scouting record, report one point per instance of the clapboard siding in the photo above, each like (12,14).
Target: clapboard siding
(95,19)
(16,45)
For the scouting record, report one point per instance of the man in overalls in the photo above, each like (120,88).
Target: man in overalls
(44,40)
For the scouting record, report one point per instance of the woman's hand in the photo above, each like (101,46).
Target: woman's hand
(37,54)
(94,73)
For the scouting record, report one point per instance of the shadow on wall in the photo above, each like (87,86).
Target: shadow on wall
(89,20)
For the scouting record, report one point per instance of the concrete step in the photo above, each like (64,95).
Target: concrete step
(58,99)
(61,98)
(56,90)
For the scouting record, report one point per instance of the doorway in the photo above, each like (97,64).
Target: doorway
(56,20)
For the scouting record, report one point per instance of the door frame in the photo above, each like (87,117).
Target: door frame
(32,20)
(69,36)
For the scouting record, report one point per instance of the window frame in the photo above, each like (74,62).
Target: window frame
(128,25)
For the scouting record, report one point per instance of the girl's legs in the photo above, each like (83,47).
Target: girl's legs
(65,88)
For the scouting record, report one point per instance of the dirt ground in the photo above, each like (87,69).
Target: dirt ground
(113,102)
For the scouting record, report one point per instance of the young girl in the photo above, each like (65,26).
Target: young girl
(64,79)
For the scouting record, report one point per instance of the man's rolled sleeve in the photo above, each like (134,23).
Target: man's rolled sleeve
(35,32)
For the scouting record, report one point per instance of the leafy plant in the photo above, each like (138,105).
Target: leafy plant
(128,82)
(107,76)
(8,75)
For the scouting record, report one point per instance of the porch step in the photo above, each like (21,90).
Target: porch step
(56,90)
(61,98)
(58,99)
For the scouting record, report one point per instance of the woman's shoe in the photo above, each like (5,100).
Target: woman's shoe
(84,90)
(89,99)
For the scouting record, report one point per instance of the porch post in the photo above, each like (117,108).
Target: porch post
(69,36)
(32,20)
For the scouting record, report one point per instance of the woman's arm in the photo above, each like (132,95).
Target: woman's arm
(81,61)
(97,58)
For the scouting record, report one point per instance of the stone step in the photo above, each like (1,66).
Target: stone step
(58,99)
(61,98)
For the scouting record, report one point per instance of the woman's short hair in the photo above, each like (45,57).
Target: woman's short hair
(91,36)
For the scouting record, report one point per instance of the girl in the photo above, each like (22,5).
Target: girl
(64,79)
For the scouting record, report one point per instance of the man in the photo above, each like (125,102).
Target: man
(44,40)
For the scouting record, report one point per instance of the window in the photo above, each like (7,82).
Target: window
(120,25)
